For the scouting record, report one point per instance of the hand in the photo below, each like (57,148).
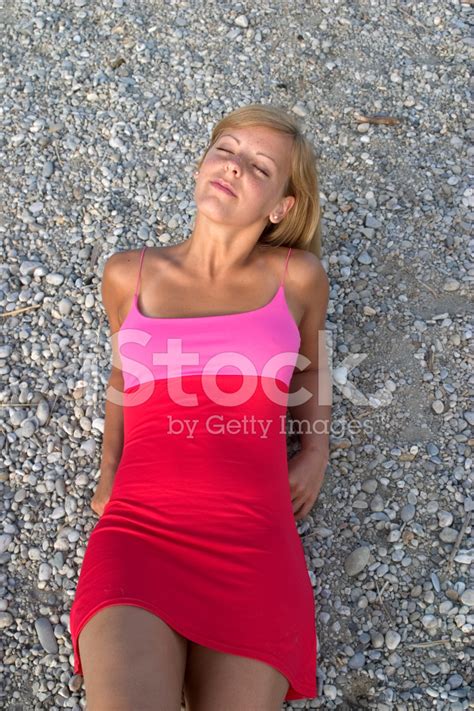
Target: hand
(102,496)
(306,475)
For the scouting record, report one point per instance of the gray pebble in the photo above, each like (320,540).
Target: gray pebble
(364,258)
(330,691)
(455,681)
(27,268)
(54,279)
(469,417)
(445,518)
(377,503)
(357,661)
(48,169)
(407,512)
(6,620)
(369,486)
(65,307)
(5,350)
(46,636)
(357,560)
(449,535)
(241,21)
(451,285)
(42,412)
(467,597)
(392,639)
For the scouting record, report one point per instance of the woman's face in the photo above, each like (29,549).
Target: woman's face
(255,163)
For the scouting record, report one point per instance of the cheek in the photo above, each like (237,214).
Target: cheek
(212,161)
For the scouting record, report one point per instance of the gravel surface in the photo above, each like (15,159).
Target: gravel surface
(106,108)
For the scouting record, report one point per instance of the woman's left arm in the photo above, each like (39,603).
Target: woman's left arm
(313,416)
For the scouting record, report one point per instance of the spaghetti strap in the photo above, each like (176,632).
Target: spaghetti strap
(139,272)
(286,264)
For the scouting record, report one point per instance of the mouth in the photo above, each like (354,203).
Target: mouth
(221,186)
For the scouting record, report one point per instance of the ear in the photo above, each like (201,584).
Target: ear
(284,207)
(289,201)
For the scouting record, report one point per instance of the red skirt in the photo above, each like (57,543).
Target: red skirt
(199,529)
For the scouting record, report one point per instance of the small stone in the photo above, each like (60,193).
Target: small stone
(48,169)
(5,350)
(340,375)
(357,661)
(369,486)
(464,556)
(455,681)
(445,518)
(36,207)
(372,222)
(299,109)
(432,449)
(357,560)
(5,540)
(377,640)
(392,640)
(407,512)
(330,691)
(467,597)
(6,619)
(28,267)
(44,572)
(429,622)
(449,535)
(46,636)
(58,512)
(437,406)
(435,581)
(451,285)
(364,258)
(27,429)
(42,412)
(65,307)
(241,21)
(54,279)
(445,607)
(377,503)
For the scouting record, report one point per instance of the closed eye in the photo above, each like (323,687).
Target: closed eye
(256,166)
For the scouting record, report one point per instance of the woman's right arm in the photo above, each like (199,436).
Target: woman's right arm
(114,287)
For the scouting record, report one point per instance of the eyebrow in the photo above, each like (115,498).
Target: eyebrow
(236,139)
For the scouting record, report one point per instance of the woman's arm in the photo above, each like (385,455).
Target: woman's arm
(114,286)
(314,415)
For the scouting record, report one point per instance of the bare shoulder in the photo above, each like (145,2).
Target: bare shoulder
(120,263)
(118,282)
(307,267)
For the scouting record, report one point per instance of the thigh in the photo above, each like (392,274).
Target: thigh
(131,660)
(217,680)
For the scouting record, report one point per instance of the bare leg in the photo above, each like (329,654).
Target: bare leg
(227,682)
(131,660)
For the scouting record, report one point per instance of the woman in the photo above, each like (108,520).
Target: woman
(194,579)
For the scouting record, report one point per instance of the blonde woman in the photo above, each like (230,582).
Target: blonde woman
(194,580)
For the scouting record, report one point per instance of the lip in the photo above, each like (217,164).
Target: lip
(221,185)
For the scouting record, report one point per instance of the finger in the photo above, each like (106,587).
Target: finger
(298,506)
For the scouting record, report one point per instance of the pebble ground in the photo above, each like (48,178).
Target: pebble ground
(106,107)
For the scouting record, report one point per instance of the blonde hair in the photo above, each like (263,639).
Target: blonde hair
(301,226)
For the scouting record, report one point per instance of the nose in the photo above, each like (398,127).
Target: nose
(233,162)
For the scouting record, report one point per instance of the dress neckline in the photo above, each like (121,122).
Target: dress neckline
(209,316)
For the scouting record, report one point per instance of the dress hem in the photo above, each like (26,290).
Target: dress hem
(307,692)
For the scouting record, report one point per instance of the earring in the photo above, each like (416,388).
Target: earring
(196,173)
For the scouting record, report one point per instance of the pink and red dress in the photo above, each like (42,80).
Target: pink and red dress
(199,529)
